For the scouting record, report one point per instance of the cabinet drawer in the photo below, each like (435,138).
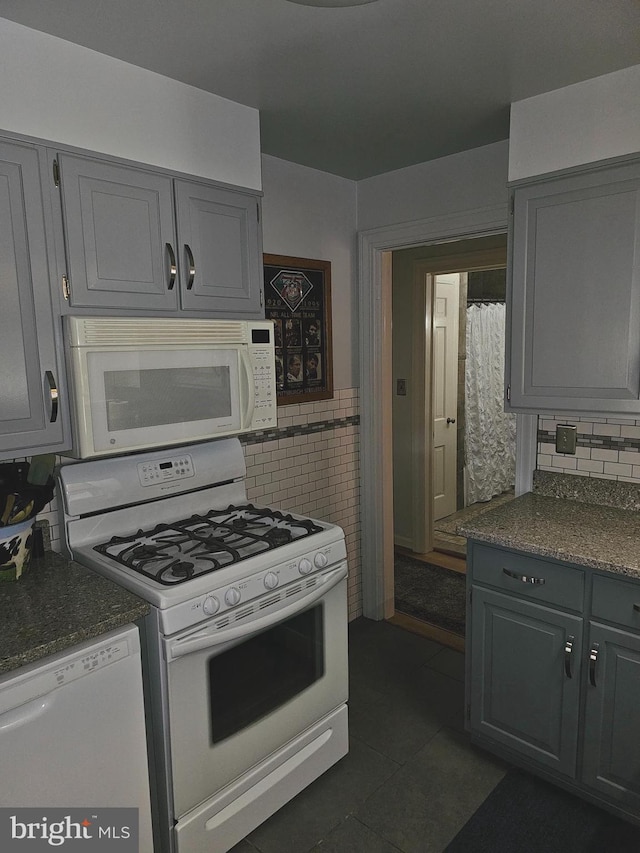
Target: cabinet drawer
(528,577)
(616,601)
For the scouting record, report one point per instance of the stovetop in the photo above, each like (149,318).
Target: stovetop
(173,553)
(187,541)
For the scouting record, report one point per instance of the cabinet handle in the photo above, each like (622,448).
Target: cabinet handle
(173,269)
(636,607)
(593,660)
(191,265)
(53,396)
(568,650)
(524,578)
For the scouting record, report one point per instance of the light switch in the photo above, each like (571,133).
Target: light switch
(566,438)
(401,387)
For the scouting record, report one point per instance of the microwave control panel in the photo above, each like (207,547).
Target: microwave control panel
(264,383)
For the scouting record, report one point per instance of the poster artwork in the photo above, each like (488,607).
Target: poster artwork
(295,301)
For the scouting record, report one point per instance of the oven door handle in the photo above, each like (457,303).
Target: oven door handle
(211,637)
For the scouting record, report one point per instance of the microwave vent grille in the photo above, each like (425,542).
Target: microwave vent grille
(147,331)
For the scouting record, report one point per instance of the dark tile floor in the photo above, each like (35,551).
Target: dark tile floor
(411,779)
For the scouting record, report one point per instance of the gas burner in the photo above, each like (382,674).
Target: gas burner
(278,536)
(175,572)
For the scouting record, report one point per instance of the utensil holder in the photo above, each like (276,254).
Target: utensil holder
(15,549)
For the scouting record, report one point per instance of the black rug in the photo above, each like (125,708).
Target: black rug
(523,814)
(430,593)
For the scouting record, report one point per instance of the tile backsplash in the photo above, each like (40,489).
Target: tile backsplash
(310,465)
(607,448)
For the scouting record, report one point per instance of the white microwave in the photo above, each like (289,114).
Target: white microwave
(143,383)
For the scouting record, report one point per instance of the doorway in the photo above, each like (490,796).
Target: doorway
(450,435)
(376,472)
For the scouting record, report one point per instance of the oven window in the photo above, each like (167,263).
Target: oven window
(166,395)
(262,674)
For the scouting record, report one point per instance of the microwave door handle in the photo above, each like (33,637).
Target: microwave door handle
(211,637)
(248,389)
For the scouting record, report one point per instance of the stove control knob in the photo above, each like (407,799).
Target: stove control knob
(232,596)
(304,566)
(211,605)
(271,580)
(320,560)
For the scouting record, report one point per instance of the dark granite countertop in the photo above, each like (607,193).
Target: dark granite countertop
(57,604)
(587,534)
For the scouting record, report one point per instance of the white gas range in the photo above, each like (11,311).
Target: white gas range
(245,645)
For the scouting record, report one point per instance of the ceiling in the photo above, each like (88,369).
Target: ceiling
(363,90)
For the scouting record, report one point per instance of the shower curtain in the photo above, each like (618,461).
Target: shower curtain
(490,433)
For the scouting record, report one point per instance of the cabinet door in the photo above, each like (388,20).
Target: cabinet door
(612,716)
(119,234)
(575,293)
(524,683)
(220,250)
(30,417)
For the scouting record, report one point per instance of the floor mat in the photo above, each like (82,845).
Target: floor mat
(524,814)
(430,593)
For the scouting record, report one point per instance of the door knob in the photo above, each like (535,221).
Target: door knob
(451,420)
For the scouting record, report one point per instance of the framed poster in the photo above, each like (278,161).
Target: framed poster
(297,295)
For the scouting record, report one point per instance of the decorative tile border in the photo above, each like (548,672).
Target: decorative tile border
(606,448)
(607,442)
(299,429)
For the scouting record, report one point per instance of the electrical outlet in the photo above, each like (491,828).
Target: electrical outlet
(566,438)
(401,387)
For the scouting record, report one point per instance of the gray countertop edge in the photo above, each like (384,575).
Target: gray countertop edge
(599,537)
(56,605)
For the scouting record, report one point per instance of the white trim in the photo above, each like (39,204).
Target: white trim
(375,390)
(526,452)
(421,414)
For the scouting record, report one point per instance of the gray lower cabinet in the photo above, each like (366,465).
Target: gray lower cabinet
(32,407)
(574,293)
(521,695)
(556,687)
(611,733)
(144,240)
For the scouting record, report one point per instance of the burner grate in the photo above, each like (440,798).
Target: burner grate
(174,553)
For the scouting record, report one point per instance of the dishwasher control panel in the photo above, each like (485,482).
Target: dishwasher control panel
(95,659)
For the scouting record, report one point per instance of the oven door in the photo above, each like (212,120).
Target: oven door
(232,703)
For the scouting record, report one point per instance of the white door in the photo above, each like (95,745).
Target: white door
(445,392)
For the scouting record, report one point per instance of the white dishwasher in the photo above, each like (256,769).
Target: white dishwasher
(72,731)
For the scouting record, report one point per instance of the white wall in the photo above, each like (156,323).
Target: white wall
(312,214)
(461,182)
(55,90)
(583,123)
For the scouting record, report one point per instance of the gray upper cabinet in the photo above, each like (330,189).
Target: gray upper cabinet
(574,293)
(144,240)
(119,235)
(220,249)
(32,410)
